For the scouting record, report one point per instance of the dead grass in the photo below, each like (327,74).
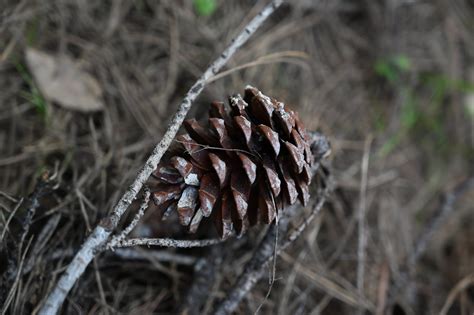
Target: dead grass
(399,72)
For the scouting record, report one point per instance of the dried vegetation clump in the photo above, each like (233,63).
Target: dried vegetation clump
(390,83)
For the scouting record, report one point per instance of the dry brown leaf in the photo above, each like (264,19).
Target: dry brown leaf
(61,79)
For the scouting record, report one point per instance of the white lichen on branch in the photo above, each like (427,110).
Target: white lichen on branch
(166,242)
(119,238)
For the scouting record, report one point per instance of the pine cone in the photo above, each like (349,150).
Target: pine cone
(241,168)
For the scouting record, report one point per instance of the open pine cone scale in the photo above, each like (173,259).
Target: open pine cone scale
(241,168)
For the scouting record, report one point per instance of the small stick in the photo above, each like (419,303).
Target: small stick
(361,218)
(438,219)
(126,254)
(159,255)
(42,187)
(40,190)
(293,236)
(254,269)
(16,281)
(8,197)
(119,238)
(10,217)
(206,270)
(166,242)
(434,224)
(101,233)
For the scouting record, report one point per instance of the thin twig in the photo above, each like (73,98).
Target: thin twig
(10,217)
(268,59)
(42,238)
(435,223)
(8,197)
(252,272)
(206,270)
(166,242)
(13,288)
(361,218)
(292,236)
(254,269)
(209,147)
(126,254)
(101,233)
(272,275)
(42,187)
(100,286)
(295,234)
(159,255)
(458,288)
(438,219)
(39,191)
(119,238)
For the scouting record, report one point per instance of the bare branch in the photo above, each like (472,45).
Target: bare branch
(434,224)
(158,255)
(43,187)
(118,238)
(167,242)
(102,232)
(127,254)
(295,234)
(438,219)
(206,273)
(254,269)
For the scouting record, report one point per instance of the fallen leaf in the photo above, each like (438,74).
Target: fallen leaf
(61,79)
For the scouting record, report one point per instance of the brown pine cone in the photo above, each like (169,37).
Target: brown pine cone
(242,167)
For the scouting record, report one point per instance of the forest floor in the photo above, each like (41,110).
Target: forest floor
(390,83)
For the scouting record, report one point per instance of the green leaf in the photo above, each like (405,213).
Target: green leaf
(390,144)
(33,96)
(402,62)
(392,67)
(205,7)
(409,113)
(469,106)
(384,69)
